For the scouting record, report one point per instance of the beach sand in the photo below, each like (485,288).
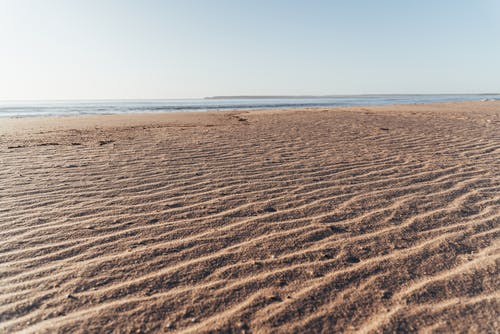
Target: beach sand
(362,219)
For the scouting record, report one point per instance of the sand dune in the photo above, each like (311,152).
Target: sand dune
(376,219)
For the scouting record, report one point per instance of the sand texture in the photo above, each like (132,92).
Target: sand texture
(376,219)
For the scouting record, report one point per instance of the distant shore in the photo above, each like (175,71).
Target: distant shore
(249,97)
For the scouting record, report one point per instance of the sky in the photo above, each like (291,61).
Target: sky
(151,49)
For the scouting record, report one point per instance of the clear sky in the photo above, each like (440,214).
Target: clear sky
(106,49)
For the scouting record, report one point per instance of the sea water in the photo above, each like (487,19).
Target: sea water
(96,107)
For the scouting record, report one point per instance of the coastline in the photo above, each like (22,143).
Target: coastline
(21,109)
(136,118)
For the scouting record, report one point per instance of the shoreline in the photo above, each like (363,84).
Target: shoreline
(22,109)
(172,115)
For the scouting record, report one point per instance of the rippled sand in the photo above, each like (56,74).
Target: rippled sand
(376,219)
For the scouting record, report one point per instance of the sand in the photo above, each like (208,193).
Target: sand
(375,219)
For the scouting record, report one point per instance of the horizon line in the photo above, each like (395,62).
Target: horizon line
(214,97)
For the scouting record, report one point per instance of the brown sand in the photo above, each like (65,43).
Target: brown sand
(377,219)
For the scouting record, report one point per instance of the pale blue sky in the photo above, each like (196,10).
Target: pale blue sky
(105,49)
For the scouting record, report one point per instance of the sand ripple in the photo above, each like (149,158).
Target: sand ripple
(380,219)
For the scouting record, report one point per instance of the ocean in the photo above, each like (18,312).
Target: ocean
(96,107)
